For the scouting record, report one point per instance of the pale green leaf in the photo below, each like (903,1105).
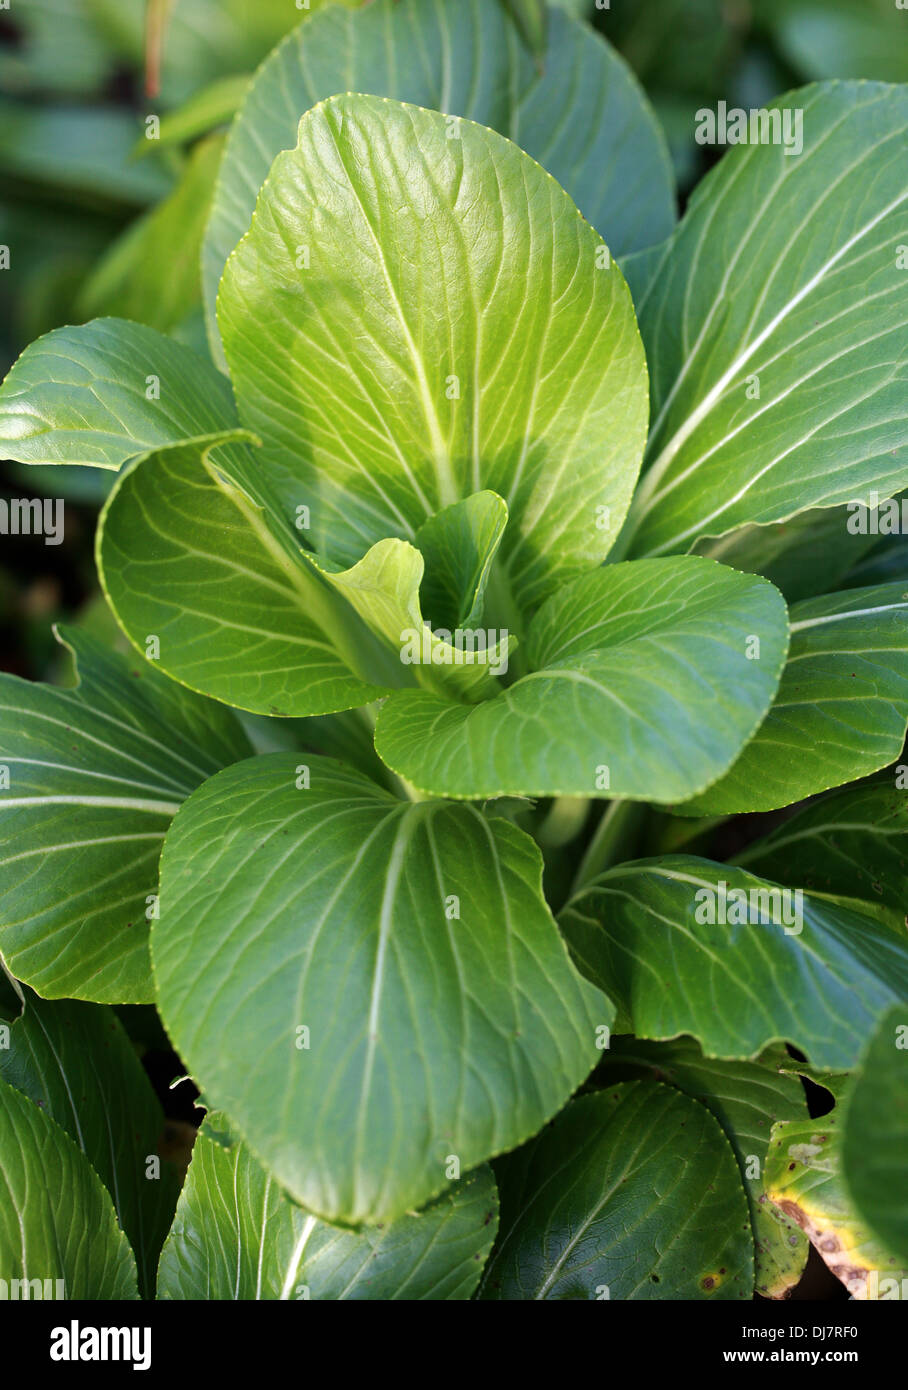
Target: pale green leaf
(471,64)
(455,550)
(459,545)
(640,684)
(377,404)
(186,553)
(804,1179)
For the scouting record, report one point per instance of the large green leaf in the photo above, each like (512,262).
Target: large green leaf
(238,1236)
(852,843)
(618,173)
(804,1179)
(94,776)
(800,970)
(841,710)
(875,1134)
(445,1021)
(391,329)
(640,684)
(633,1193)
(105,392)
(56,1219)
(77,1064)
(747,1098)
(187,554)
(774,325)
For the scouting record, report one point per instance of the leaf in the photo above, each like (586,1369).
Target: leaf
(376,404)
(639,685)
(841,709)
(151,272)
(333,908)
(803,1178)
(238,1236)
(185,552)
(746,1098)
(79,1067)
(801,970)
(204,111)
(385,589)
(81,395)
(633,1193)
(94,777)
(875,1131)
(853,843)
(618,174)
(459,545)
(53,1200)
(782,279)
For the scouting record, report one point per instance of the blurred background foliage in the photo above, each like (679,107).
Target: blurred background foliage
(101,219)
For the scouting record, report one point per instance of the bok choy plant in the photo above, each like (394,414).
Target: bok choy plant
(513,544)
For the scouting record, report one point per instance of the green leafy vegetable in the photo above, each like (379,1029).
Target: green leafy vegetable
(451,599)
